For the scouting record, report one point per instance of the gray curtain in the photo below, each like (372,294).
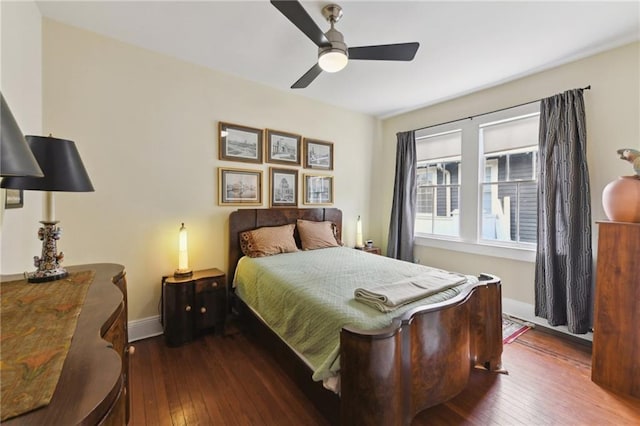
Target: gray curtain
(564,257)
(403,210)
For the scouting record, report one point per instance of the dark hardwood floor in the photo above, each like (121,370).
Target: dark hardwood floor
(229,380)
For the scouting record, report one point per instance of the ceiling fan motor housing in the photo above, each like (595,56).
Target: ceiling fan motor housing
(336,41)
(334,57)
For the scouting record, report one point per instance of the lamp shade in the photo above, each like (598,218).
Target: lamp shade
(15,156)
(61,164)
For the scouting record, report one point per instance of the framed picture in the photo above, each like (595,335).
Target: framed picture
(283,187)
(239,187)
(318,154)
(283,148)
(240,143)
(14,198)
(318,189)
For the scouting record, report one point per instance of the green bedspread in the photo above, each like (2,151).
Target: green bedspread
(308,296)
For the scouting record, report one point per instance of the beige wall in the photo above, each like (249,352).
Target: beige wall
(21,68)
(612,108)
(145,125)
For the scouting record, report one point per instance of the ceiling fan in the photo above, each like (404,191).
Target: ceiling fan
(333,53)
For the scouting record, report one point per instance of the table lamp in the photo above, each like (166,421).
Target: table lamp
(359,243)
(63,171)
(16,159)
(183,270)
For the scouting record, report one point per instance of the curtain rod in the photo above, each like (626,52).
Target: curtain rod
(471,117)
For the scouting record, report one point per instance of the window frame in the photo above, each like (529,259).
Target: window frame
(472,155)
(444,129)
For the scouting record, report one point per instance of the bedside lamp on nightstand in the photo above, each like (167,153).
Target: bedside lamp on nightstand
(183,270)
(359,244)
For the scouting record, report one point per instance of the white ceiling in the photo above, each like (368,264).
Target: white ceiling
(464,46)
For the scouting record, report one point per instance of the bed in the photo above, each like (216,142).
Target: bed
(387,374)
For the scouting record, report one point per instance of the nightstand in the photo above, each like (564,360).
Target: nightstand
(193,306)
(374,250)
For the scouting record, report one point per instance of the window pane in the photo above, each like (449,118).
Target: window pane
(511,212)
(438,179)
(521,166)
(498,221)
(509,188)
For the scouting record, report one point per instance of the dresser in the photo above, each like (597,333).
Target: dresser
(616,324)
(94,383)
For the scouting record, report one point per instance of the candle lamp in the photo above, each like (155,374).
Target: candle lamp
(359,243)
(183,270)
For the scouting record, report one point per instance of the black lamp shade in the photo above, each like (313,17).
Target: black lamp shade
(61,164)
(16,159)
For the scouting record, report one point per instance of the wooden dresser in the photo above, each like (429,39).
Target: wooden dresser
(94,384)
(616,325)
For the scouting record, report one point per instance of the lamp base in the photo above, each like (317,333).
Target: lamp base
(46,276)
(182,273)
(48,264)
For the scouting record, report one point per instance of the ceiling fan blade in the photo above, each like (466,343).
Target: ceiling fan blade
(385,52)
(294,12)
(308,77)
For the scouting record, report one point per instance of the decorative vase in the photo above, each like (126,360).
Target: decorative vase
(621,199)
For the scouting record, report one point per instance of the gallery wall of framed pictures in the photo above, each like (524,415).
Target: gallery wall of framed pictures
(288,152)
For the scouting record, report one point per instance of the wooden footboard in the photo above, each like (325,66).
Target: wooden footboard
(423,359)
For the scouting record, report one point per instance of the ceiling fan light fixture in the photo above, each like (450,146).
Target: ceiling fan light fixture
(332,60)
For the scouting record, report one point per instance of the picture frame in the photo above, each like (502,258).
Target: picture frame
(318,190)
(240,143)
(318,154)
(239,187)
(283,187)
(283,148)
(14,198)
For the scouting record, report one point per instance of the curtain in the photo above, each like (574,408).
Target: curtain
(403,210)
(564,258)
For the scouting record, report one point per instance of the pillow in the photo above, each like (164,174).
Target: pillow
(316,235)
(268,241)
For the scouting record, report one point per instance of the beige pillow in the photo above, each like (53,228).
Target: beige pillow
(316,235)
(268,241)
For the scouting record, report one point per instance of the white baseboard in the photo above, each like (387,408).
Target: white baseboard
(525,311)
(144,328)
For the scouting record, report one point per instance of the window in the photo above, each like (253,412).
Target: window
(509,186)
(477,179)
(438,184)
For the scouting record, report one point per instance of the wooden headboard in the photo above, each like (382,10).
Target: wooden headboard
(248,219)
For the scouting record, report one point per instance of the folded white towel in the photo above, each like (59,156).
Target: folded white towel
(389,297)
